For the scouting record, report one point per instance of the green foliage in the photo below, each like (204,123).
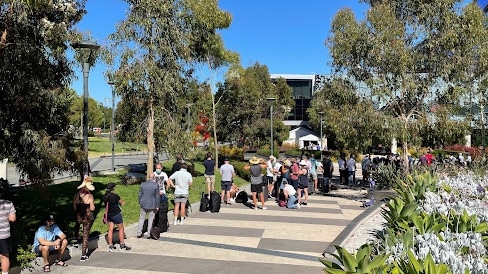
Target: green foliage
(250,122)
(386,176)
(399,213)
(415,185)
(233,153)
(156,47)
(461,223)
(25,257)
(413,265)
(34,73)
(361,262)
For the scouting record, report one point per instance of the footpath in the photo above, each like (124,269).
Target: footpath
(239,239)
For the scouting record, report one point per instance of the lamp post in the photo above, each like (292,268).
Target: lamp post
(112,125)
(271,100)
(321,113)
(90,48)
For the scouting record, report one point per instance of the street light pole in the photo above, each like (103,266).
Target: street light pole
(91,47)
(321,113)
(112,125)
(271,99)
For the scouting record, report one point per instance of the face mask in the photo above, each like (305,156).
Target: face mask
(158,171)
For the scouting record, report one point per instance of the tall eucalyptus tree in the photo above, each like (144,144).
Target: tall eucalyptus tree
(155,47)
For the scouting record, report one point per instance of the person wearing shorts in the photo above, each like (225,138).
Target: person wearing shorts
(255,168)
(227,171)
(7,215)
(181,182)
(303,182)
(209,174)
(114,217)
(49,238)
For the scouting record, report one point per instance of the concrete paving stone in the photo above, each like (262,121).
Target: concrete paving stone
(292,245)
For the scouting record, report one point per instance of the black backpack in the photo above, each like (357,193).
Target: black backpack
(204,202)
(163,224)
(214,201)
(242,197)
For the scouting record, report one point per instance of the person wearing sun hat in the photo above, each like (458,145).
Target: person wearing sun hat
(303,182)
(83,204)
(256,166)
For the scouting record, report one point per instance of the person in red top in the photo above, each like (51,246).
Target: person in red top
(430,157)
(294,173)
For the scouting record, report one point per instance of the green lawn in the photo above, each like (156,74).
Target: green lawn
(34,203)
(98,146)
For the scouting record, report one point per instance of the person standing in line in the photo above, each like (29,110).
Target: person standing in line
(149,201)
(275,186)
(270,171)
(83,204)
(313,173)
(209,174)
(366,168)
(162,179)
(7,215)
(328,168)
(114,217)
(177,164)
(303,182)
(256,166)
(342,169)
(182,182)
(227,171)
(294,170)
(351,170)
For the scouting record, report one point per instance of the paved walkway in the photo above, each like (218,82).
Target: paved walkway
(240,240)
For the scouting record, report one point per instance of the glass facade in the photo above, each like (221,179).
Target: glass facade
(302,94)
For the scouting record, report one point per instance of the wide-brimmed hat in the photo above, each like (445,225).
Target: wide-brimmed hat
(254,160)
(88,183)
(287,163)
(303,163)
(272,157)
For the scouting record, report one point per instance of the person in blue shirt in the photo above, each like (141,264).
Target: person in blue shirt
(50,238)
(209,175)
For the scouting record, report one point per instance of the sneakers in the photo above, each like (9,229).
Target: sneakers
(175,221)
(84,258)
(270,195)
(111,248)
(304,204)
(125,247)
(264,208)
(255,208)
(298,206)
(182,221)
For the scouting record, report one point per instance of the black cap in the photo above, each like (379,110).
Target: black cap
(50,217)
(226,159)
(110,186)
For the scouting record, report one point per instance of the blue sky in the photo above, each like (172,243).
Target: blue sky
(287,36)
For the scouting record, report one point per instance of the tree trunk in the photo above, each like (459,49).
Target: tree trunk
(215,133)
(150,140)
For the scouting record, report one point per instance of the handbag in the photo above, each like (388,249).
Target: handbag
(105,215)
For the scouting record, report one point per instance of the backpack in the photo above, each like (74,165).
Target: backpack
(242,197)
(204,203)
(162,223)
(155,233)
(214,201)
(281,203)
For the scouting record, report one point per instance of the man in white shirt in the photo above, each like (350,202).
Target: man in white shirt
(290,195)
(182,182)
(227,171)
(269,174)
(162,179)
(351,170)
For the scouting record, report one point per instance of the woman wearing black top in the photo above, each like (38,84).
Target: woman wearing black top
(114,217)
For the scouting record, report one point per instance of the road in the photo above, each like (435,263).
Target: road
(97,164)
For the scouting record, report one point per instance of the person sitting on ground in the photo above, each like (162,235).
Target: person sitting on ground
(290,195)
(234,189)
(49,238)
